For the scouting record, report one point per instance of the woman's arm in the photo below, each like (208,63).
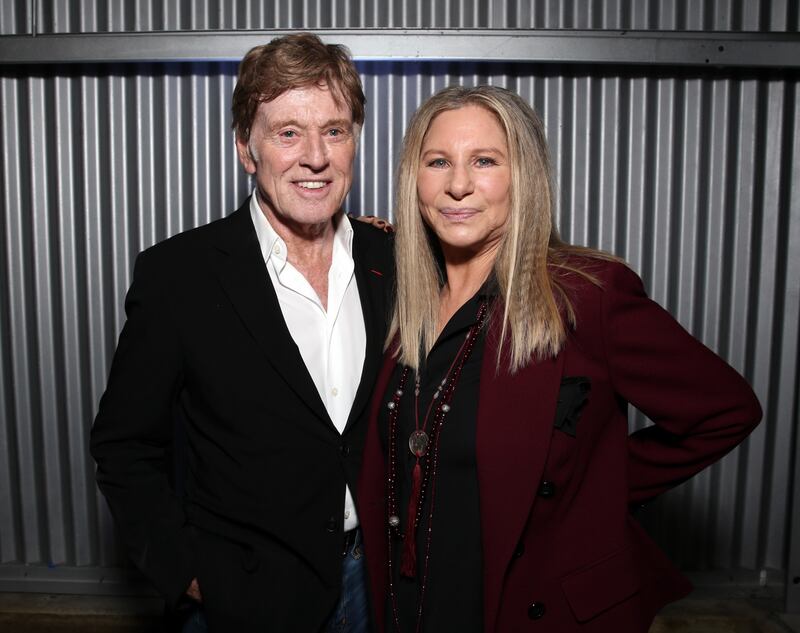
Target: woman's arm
(702,408)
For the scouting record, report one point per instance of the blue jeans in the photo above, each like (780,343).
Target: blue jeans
(351,614)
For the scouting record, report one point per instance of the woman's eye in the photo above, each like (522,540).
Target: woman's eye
(438,162)
(483,161)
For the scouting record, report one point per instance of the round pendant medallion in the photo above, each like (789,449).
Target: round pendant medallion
(418,443)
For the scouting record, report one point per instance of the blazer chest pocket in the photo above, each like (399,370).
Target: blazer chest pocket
(602,585)
(572,395)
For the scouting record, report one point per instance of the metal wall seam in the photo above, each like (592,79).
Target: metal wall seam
(774,485)
(788,382)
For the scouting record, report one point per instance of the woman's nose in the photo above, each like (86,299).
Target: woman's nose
(460,183)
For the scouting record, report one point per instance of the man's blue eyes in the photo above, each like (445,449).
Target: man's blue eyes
(292,134)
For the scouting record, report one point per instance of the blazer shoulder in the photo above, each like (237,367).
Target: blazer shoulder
(183,246)
(372,244)
(370,233)
(586,280)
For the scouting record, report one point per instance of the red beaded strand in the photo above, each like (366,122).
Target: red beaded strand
(430,464)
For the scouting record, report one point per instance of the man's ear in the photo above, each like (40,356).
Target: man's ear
(245,157)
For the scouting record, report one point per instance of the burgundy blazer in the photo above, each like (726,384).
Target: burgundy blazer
(558,472)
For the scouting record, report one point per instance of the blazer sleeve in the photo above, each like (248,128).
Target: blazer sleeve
(700,406)
(132,436)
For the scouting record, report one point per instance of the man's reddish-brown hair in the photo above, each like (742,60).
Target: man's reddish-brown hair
(294,61)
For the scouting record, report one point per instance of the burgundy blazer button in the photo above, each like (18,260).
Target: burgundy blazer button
(547,489)
(536,610)
(520,550)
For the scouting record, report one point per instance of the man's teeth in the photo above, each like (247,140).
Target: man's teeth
(311,184)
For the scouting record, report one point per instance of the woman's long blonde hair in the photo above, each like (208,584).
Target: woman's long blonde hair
(530,255)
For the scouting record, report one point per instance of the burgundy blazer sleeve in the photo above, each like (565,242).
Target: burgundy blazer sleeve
(701,407)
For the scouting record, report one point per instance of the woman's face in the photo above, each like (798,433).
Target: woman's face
(464,181)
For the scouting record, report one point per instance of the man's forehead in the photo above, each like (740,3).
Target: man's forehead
(312,105)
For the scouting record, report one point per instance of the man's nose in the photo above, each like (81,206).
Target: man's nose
(315,154)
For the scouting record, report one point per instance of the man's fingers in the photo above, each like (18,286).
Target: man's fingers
(194,591)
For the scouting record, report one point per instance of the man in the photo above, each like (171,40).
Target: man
(263,332)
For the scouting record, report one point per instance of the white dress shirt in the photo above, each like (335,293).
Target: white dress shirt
(332,342)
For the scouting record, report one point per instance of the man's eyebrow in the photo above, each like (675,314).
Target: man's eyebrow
(339,123)
(277,125)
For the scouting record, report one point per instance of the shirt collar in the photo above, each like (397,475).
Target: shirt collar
(274,248)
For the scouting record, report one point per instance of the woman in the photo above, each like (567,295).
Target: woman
(498,474)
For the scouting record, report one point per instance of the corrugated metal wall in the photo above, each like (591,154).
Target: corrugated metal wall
(691,175)
(735,15)
(89,16)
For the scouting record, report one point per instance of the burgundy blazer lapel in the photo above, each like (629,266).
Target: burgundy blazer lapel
(515,423)
(371,497)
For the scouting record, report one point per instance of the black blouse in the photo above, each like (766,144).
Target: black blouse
(453,598)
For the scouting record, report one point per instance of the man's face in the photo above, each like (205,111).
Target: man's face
(301,151)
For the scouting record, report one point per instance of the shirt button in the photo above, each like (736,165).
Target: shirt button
(334,392)
(277,249)
(347,514)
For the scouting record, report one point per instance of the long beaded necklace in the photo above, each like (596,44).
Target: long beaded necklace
(424,471)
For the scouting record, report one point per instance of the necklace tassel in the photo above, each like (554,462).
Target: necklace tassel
(408,566)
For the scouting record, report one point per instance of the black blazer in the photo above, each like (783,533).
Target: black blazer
(260,521)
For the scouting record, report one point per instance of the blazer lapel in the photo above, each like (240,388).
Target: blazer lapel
(244,277)
(372,290)
(515,423)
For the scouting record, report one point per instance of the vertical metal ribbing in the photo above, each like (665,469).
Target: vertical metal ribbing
(605,207)
(754,317)
(96,300)
(45,250)
(148,170)
(790,339)
(200,163)
(720,108)
(76,470)
(722,15)
(14,396)
(692,177)
(772,485)
(10,22)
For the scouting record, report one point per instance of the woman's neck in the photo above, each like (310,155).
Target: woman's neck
(464,278)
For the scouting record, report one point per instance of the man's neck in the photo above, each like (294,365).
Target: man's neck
(309,248)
